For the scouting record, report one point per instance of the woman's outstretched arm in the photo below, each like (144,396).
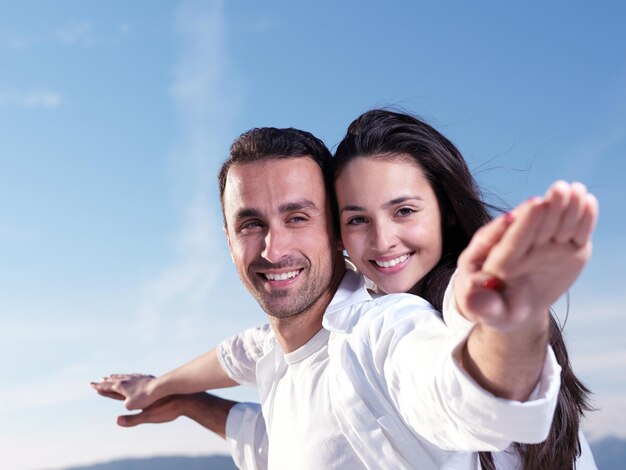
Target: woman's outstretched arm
(514,269)
(139,391)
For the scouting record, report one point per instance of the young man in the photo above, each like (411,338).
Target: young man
(347,381)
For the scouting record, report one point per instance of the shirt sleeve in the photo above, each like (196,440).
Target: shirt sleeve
(461,325)
(452,317)
(246,436)
(420,360)
(509,458)
(239,354)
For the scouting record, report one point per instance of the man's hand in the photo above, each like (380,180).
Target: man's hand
(135,389)
(162,411)
(208,410)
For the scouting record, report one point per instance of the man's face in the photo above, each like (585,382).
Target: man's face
(280,233)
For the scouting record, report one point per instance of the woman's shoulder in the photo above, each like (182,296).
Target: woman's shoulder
(399,312)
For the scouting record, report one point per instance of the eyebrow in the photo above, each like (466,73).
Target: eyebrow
(388,204)
(247,213)
(291,206)
(297,205)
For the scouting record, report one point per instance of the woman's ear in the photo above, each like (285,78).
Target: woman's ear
(340,246)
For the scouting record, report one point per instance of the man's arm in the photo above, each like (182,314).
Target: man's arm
(241,424)
(235,357)
(207,410)
(511,273)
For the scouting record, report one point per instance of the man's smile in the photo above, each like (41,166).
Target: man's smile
(284,276)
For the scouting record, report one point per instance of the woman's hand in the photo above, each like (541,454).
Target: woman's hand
(137,390)
(518,265)
(510,274)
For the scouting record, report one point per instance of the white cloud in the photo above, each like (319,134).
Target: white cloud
(62,386)
(123,29)
(607,135)
(42,99)
(175,301)
(83,437)
(32,99)
(81,33)
(598,362)
(588,155)
(609,419)
(590,310)
(24,41)
(76,34)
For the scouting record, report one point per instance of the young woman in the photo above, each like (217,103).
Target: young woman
(408,206)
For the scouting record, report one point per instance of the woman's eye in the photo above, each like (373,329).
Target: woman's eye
(405,211)
(356,221)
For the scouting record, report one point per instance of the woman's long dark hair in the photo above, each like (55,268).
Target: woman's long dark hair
(387,135)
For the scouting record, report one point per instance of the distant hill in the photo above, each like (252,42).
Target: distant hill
(214,462)
(609,453)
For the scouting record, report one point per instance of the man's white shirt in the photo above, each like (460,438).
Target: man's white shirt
(380,387)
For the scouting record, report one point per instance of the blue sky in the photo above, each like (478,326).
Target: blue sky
(114,117)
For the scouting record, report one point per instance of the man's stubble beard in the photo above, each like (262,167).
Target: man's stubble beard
(285,303)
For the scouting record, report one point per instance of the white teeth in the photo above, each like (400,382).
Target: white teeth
(281,276)
(392,262)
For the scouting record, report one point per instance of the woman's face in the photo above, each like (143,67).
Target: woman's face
(390,221)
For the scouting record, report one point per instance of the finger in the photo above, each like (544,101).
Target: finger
(492,283)
(588,221)
(517,240)
(483,241)
(478,296)
(556,198)
(128,421)
(571,217)
(149,415)
(523,232)
(113,395)
(106,392)
(486,305)
(105,385)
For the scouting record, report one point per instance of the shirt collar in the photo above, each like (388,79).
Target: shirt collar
(352,290)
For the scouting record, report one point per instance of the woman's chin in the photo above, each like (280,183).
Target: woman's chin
(391,289)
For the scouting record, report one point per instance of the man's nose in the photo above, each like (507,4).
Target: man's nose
(276,244)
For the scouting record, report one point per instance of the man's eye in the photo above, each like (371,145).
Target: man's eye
(297,218)
(250,225)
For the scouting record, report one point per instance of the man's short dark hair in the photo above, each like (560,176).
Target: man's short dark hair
(270,143)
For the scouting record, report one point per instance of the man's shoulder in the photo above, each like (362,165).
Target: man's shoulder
(257,341)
